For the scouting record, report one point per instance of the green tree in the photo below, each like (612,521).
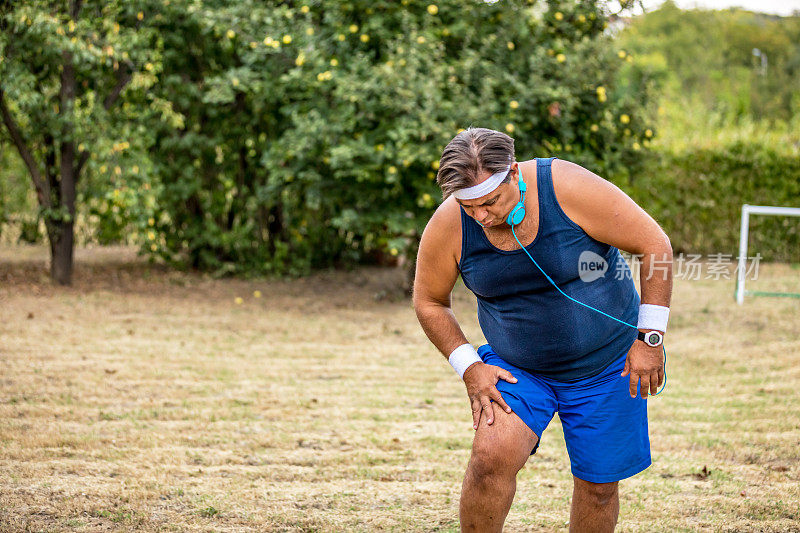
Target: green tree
(321,124)
(63,68)
(734,63)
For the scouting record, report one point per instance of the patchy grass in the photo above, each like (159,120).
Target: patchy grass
(146,400)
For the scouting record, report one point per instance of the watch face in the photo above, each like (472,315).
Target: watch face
(653,338)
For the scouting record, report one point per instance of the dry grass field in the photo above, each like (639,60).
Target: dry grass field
(147,400)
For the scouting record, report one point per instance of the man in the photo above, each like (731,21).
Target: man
(565,327)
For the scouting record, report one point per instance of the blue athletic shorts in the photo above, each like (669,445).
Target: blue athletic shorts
(604,428)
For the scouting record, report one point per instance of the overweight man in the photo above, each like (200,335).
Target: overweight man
(538,242)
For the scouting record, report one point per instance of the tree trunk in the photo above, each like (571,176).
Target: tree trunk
(62,236)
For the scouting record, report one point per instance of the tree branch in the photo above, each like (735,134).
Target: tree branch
(67,97)
(81,161)
(75,8)
(42,186)
(123,78)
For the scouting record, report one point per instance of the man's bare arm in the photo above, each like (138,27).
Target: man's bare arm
(609,215)
(436,275)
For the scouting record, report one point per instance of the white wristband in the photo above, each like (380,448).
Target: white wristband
(462,358)
(653,317)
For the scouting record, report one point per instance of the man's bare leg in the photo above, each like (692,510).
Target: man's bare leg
(595,507)
(499,451)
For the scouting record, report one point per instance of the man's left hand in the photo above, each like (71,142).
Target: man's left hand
(646,364)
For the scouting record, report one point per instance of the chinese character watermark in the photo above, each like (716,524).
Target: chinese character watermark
(693,267)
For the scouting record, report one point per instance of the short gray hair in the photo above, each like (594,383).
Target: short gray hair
(471,153)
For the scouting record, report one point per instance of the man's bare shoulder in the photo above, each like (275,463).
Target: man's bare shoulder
(570,177)
(444,227)
(447,214)
(574,186)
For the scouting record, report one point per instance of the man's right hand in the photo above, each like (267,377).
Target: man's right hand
(481,380)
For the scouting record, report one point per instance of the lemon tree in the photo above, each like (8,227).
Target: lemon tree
(64,69)
(313,130)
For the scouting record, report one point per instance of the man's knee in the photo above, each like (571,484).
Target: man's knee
(599,494)
(502,450)
(486,463)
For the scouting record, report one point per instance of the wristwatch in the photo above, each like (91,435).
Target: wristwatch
(651,338)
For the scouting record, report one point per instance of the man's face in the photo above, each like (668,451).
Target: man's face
(492,209)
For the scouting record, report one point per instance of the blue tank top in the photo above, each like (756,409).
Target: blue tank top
(525,319)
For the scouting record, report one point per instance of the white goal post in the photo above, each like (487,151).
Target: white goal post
(748,210)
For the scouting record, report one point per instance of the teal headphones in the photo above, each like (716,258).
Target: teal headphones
(518,213)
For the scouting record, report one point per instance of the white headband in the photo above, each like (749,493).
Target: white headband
(484,187)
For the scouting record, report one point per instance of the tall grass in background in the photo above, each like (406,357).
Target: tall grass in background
(685,123)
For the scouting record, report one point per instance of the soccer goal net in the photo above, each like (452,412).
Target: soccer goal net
(748,210)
